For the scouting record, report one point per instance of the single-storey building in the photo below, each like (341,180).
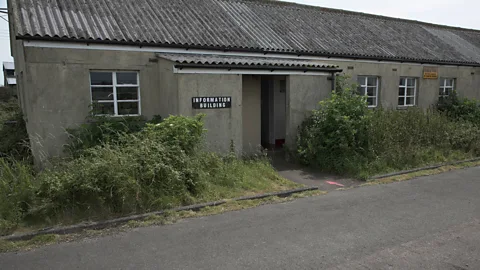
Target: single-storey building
(9,79)
(255,67)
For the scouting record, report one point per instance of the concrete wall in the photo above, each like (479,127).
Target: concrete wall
(56,91)
(303,95)
(468,84)
(223,125)
(251,113)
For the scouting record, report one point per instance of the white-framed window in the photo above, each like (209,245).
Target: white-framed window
(447,86)
(407,93)
(369,86)
(115,93)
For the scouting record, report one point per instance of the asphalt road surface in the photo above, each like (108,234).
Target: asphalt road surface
(427,223)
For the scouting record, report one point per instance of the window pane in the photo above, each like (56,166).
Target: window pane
(410,91)
(127,108)
(127,93)
(104,108)
(361,90)
(102,93)
(410,101)
(372,102)
(447,92)
(372,91)
(101,78)
(449,82)
(361,80)
(372,81)
(411,82)
(401,101)
(126,78)
(441,92)
(401,91)
(402,81)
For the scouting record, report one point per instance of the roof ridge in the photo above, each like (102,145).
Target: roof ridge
(356,13)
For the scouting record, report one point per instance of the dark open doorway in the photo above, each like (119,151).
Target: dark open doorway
(273,111)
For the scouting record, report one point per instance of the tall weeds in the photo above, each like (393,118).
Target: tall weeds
(345,137)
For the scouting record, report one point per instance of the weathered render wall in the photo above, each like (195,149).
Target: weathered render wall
(467,80)
(224,126)
(56,90)
(303,94)
(251,108)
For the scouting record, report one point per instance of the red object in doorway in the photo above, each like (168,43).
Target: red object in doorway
(279,143)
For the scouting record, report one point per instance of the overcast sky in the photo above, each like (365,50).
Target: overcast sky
(463,13)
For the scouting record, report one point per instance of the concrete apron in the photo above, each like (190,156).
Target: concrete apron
(309,177)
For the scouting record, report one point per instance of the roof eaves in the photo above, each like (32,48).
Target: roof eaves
(261,67)
(258,50)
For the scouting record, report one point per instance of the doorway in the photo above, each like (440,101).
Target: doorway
(273,111)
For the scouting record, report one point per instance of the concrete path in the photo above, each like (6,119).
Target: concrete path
(309,177)
(427,223)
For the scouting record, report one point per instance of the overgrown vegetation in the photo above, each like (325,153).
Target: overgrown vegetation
(344,136)
(122,167)
(102,129)
(457,108)
(13,133)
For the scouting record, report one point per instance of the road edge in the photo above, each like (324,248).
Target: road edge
(119,221)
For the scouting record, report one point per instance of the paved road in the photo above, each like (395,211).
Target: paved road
(428,223)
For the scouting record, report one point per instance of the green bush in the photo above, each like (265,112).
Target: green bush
(16,193)
(159,167)
(344,136)
(460,109)
(335,137)
(152,169)
(13,132)
(184,132)
(103,129)
(136,176)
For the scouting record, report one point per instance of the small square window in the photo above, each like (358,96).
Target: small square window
(368,86)
(447,86)
(407,91)
(115,93)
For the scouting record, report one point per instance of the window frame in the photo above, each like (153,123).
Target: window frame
(444,87)
(364,87)
(114,86)
(405,96)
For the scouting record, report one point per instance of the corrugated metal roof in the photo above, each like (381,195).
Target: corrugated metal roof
(9,65)
(245,24)
(222,60)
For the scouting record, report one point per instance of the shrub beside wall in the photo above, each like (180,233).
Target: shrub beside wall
(344,136)
(160,166)
(14,140)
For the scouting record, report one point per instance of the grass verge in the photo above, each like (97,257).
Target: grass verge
(170,217)
(409,176)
